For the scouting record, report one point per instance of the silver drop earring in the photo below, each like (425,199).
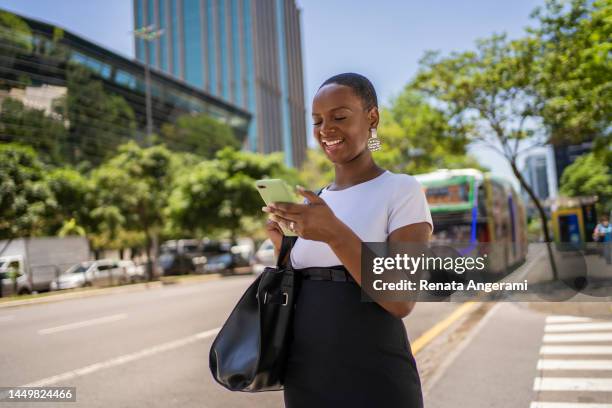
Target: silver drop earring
(373,141)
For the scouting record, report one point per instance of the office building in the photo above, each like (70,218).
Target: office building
(538,169)
(246,52)
(36,58)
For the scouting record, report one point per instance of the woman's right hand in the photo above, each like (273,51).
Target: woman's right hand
(275,233)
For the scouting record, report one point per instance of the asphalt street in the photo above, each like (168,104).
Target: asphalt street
(150,349)
(140,349)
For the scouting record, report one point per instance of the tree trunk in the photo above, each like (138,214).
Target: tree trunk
(148,252)
(542,215)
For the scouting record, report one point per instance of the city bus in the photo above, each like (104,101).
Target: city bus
(471,207)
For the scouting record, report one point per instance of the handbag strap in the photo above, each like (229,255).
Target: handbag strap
(287,243)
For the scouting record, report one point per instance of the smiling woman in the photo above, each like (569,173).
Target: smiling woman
(346,352)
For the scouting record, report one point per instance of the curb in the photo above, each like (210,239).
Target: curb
(136,287)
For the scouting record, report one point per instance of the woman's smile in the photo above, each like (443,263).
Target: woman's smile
(332,145)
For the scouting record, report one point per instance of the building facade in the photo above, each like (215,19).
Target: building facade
(245,52)
(538,168)
(37,58)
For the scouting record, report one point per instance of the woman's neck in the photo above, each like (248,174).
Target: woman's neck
(361,169)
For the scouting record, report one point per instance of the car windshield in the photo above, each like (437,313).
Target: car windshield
(80,268)
(222,258)
(165,260)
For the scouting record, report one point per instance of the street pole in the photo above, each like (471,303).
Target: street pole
(148,34)
(149,111)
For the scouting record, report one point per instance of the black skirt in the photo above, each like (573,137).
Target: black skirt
(348,353)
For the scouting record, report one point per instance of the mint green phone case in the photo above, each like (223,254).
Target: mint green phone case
(276,190)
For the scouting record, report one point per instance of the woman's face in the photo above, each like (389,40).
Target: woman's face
(341,124)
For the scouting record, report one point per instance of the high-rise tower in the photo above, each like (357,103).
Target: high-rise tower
(247,52)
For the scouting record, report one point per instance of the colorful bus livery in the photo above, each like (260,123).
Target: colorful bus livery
(470,207)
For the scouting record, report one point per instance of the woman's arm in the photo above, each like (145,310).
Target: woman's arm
(347,247)
(317,222)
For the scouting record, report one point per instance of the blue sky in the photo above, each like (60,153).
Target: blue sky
(383,40)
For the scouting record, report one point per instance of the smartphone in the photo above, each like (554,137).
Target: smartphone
(277,191)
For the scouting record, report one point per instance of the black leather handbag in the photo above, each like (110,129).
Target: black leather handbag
(250,351)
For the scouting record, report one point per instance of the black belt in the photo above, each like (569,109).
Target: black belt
(332,273)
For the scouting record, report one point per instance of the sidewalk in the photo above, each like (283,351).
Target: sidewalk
(524,355)
(496,365)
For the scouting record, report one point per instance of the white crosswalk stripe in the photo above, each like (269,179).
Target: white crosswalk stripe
(579,327)
(577,337)
(568,405)
(567,319)
(575,367)
(577,350)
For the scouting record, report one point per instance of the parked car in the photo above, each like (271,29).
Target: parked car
(172,263)
(133,272)
(100,272)
(264,256)
(228,262)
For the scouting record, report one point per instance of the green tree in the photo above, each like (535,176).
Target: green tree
(72,193)
(24,197)
(199,134)
(33,127)
(15,37)
(133,189)
(217,195)
(418,137)
(573,69)
(99,122)
(588,175)
(489,93)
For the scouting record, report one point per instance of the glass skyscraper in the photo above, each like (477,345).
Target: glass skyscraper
(246,52)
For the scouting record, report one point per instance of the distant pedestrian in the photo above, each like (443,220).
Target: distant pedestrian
(603,234)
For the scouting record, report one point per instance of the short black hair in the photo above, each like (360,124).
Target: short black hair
(361,85)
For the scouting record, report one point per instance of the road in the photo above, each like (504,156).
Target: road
(140,349)
(150,349)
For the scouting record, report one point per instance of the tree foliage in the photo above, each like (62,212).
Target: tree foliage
(418,137)
(99,121)
(573,69)
(588,175)
(20,124)
(24,197)
(218,194)
(199,134)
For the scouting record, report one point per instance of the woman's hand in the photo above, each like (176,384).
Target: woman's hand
(314,221)
(275,234)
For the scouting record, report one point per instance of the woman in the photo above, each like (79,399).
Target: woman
(345,352)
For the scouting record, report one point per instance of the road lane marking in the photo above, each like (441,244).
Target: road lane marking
(439,327)
(7,318)
(576,350)
(577,338)
(577,327)
(568,405)
(84,323)
(567,319)
(574,364)
(124,359)
(572,384)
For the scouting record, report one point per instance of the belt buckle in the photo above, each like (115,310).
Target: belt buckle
(338,275)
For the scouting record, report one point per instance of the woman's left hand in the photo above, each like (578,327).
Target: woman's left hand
(314,221)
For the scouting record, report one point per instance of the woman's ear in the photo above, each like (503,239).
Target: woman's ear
(373,117)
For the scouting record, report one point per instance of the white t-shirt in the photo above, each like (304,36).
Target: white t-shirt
(372,209)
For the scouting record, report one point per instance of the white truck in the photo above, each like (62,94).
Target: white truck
(29,265)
